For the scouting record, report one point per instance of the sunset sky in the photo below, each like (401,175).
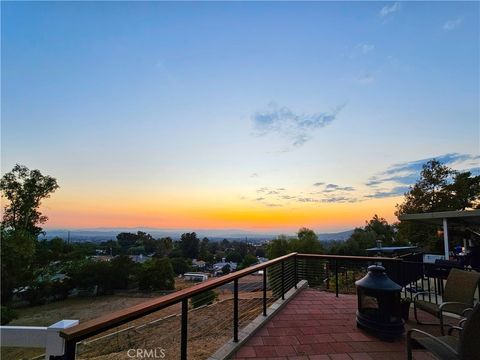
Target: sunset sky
(259,116)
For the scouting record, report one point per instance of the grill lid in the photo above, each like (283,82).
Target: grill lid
(376,279)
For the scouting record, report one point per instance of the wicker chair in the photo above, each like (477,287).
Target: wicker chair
(464,347)
(457,296)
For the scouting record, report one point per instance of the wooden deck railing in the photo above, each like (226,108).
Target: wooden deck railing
(93,327)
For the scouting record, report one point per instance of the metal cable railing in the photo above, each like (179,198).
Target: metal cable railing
(242,299)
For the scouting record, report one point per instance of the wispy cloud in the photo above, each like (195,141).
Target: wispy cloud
(273,205)
(452,24)
(254,175)
(389,9)
(296,127)
(396,191)
(340,199)
(365,48)
(327,198)
(307,199)
(408,173)
(329,193)
(335,187)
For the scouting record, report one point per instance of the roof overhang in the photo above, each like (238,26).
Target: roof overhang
(459,218)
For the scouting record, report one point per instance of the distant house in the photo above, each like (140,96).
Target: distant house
(198,264)
(195,276)
(140,259)
(102,257)
(217,267)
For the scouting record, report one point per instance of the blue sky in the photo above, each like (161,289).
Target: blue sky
(197,106)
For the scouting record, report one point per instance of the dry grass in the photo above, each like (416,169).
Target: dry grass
(209,328)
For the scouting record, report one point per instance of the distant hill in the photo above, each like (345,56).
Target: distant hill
(340,236)
(105,234)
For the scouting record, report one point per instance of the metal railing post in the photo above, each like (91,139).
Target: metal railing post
(70,349)
(336,277)
(295,276)
(283,280)
(265,292)
(183,341)
(235,310)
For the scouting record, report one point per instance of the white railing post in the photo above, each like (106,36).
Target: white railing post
(37,337)
(55,344)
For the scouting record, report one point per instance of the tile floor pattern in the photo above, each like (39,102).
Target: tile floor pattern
(316,325)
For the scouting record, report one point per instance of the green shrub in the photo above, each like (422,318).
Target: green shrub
(204,298)
(156,274)
(91,274)
(7,315)
(180,265)
(123,269)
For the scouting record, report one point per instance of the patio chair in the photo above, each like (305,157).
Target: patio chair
(457,296)
(464,347)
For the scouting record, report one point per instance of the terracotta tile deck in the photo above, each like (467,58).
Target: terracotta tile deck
(316,325)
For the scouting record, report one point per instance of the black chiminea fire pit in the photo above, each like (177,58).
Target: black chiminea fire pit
(379,309)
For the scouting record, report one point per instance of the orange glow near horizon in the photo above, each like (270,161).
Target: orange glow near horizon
(198,215)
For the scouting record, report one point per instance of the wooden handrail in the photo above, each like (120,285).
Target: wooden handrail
(95,326)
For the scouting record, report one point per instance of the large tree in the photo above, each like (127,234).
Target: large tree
(163,247)
(24,190)
(127,240)
(377,228)
(381,229)
(190,245)
(439,188)
(278,247)
(305,242)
